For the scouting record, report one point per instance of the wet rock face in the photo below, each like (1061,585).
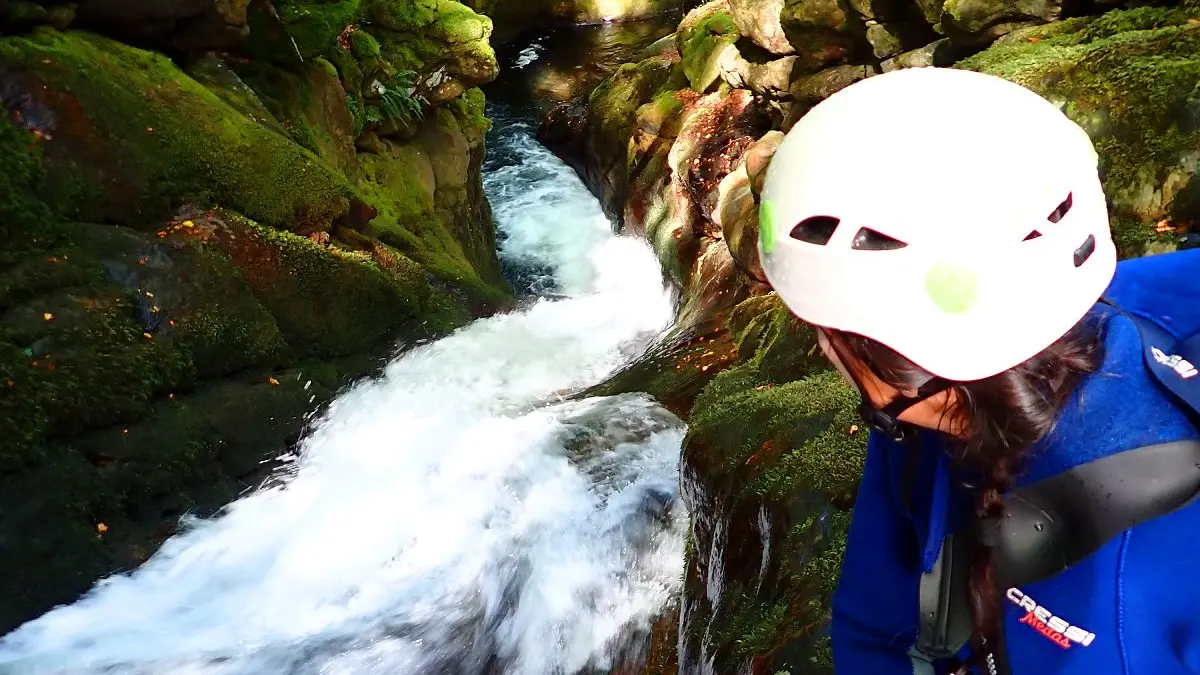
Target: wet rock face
(684,140)
(769,470)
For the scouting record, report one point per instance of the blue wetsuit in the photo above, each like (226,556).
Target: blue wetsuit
(1133,607)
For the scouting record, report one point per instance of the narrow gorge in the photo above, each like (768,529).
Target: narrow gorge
(314,356)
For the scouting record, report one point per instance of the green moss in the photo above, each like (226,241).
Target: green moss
(214,73)
(401,15)
(25,221)
(349,70)
(314,25)
(328,67)
(400,184)
(702,40)
(362,45)
(176,140)
(421,35)
(774,437)
(326,301)
(471,110)
(1128,78)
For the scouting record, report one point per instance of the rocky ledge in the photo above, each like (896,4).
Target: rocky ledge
(676,145)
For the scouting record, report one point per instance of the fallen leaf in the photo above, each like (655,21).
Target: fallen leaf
(853,429)
(101,528)
(1164,225)
(47,316)
(1034,39)
(147,335)
(272,380)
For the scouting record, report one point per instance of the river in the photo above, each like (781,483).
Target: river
(455,514)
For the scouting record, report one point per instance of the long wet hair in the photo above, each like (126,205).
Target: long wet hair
(1001,418)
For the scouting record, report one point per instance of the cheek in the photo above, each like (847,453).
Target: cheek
(833,358)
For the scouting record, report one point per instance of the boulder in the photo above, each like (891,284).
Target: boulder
(706,43)
(127,137)
(759,20)
(442,41)
(825,33)
(978,22)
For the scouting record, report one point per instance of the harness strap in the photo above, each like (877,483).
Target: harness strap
(1057,522)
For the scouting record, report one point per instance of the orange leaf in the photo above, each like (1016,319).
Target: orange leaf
(101,528)
(272,380)
(47,316)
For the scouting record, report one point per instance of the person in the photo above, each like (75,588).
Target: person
(947,235)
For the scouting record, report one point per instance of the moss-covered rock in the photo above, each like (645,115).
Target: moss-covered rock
(430,200)
(127,137)
(443,41)
(706,40)
(146,374)
(103,501)
(770,466)
(1131,79)
(310,105)
(314,25)
(594,134)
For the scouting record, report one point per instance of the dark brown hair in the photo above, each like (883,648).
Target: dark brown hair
(1002,416)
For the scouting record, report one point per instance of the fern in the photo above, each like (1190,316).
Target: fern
(399,106)
(357,113)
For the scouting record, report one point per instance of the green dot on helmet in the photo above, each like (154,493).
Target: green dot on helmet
(766,226)
(952,288)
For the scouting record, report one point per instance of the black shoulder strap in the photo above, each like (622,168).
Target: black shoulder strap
(1061,520)
(1055,523)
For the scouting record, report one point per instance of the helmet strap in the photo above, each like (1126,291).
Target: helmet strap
(886,420)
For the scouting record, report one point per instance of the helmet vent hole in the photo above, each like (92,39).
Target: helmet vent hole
(1032,235)
(1085,251)
(816,230)
(1062,209)
(870,240)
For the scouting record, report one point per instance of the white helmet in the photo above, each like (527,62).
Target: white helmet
(953,216)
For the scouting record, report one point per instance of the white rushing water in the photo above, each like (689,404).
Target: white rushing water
(440,518)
